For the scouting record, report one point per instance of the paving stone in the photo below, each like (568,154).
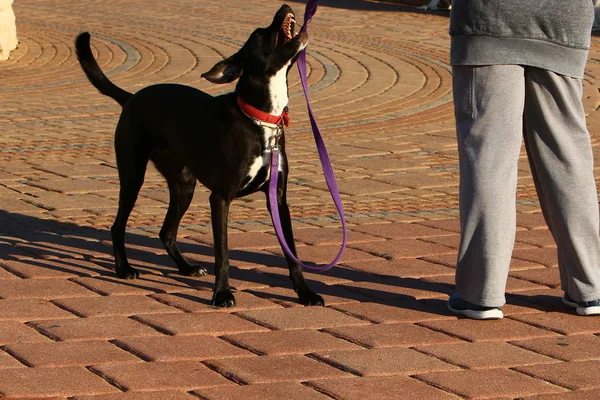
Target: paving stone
(45,382)
(300,318)
(4,274)
(253,240)
(24,310)
(396,289)
(180,348)
(449,260)
(401,230)
(478,355)
(513,285)
(573,375)
(71,186)
(539,238)
(489,383)
(402,248)
(63,268)
(214,324)
(401,268)
(334,294)
(41,289)
(301,341)
(6,361)
(399,311)
(531,220)
(104,306)
(384,361)
(546,256)
(156,376)
(544,276)
(547,300)
(270,369)
(390,335)
(333,276)
(49,246)
(145,284)
(566,348)
(473,331)
(61,354)
(563,323)
(82,170)
(324,254)
(17,332)
(358,187)
(578,395)
(332,236)
(271,391)
(161,394)
(199,302)
(240,279)
(100,328)
(381,387)
(55,201)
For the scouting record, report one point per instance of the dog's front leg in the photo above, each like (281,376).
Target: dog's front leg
(219,209)
(305,294)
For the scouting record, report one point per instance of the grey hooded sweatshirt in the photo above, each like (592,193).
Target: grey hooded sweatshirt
(550,34)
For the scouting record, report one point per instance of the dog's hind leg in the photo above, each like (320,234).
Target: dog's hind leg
(305,295)
(132,168)
(181,191)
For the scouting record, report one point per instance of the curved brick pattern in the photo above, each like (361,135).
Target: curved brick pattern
(381,91)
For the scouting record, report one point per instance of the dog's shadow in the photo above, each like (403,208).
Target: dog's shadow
(30,245)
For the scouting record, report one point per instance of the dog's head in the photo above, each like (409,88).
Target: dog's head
(266,52)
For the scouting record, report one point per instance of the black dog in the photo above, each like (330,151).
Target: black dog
(190,135)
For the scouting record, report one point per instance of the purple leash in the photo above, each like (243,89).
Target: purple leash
(311,8)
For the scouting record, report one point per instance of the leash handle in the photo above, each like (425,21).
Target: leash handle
(311,8)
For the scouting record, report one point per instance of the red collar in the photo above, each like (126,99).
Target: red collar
(255,113)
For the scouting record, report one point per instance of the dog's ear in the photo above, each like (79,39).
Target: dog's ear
(225,71)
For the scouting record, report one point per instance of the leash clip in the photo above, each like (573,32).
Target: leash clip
(277,137)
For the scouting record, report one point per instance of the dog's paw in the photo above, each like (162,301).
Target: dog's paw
(310,298)
(223,298)
(127,272)
(193,270)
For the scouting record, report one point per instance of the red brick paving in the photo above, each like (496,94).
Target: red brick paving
(381,387)
(380,87)
(265,369)
(489,383)
(259,391)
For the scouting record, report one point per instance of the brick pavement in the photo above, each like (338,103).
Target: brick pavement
(380,87)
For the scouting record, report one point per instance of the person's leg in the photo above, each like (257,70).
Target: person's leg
(561,159)
(489,105)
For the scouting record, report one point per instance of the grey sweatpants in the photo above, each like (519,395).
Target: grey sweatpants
(496,107)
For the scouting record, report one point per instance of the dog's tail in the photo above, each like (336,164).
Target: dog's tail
(94,73)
